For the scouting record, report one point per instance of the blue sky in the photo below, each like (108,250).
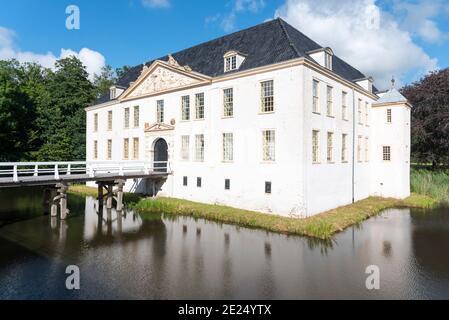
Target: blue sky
(407,38)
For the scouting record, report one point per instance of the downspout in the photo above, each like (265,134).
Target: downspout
(353,146)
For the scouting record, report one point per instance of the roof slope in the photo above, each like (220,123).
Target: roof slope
(264,44)
(391,96)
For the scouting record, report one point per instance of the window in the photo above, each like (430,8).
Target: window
(328,61)
(185,145)
(230,63)
(135,148)
(198,182)
(113,93)
(366,149)
(267,96)
(359,149)
(95,122)
(386,153)
(330,146)
(389,118)
(316,105)
(228,102)
(268,145)
(228,147)
(184,181)
(227,184)
(315,146)
(267,187)
(109,151)
(126,149)
(344,105)
(199,147)
(109,120)
(366,113)
(329,109)
(95,150)
(136,117)
(160,111)
(185,108)
(199,106)
(359,108)
(126,119)
(344,147)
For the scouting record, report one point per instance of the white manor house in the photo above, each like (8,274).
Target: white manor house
(263,119)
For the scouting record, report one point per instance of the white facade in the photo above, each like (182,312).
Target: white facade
(300,186)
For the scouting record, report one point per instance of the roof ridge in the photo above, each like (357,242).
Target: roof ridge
(292,45)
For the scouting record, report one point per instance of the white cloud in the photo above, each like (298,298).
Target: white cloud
(361,34)
(418,18)
(239,6)
(156,3)
(93,60)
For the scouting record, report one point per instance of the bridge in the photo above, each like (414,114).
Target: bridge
(60,175)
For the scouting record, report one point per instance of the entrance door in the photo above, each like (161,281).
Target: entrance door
(160,156)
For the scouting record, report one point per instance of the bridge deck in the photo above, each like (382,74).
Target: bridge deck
(77,178)
(37,174)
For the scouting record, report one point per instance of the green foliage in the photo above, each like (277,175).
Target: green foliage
(42,111)
(430,121)
(434,184)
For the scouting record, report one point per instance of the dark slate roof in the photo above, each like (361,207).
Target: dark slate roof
(264,44)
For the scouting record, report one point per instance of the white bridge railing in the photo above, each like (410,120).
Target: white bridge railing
(56,170)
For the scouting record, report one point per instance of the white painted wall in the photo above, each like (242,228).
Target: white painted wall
(299,188)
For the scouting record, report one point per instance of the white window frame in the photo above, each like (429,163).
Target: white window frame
(344,147)
(359,110)
(228,102)
(110,120)
(230,63)
(366,149)
(330,147)
(329,101)
(316,158)
(126,118)
(199,147)
(126,149)
(267,96)
(359,149)
(316,96)
(389,116)
(185,148)
(268,145)
(136,116)
(185,108)
(109,150)
(95,122)
(160,111)
(199,106)
(366,113)
(136,148)
(344,105)
(95,150)
(228,147)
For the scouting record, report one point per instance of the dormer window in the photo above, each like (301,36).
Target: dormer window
(328,61)
(233,60)
(113,92)
(230,63)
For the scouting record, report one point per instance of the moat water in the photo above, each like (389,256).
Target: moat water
(134,256)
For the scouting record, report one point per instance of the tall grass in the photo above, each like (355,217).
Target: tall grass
(434,184)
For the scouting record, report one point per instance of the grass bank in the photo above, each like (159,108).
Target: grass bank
(429,188)
(321,226)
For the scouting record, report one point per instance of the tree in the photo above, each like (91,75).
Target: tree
(70,91)
(120,72)
(16,111)
(103,81)
(430,117)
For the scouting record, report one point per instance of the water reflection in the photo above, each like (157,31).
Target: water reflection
(128,255)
